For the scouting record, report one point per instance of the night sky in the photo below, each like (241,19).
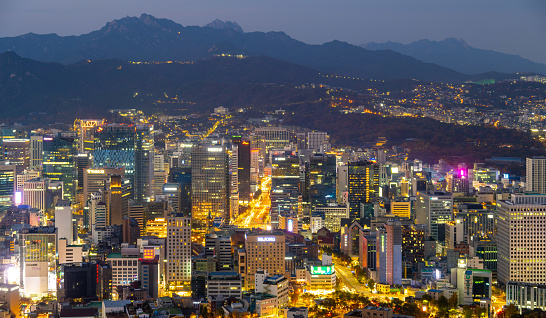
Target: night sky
(508,26)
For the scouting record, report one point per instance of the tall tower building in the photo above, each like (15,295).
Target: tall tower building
(320,179)
(389,252)
(521,233)
(144,163)
(59,163)
(210,185)
(17,152)
(243,165)
(285,191)
(535,180)
(233,155)
(434,209)
(64,221)
(178,253)
(315,139)
(36,150)
(8,186)
(38,257)
(363,185)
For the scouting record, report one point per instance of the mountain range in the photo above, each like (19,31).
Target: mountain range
(147,38)
(456,54)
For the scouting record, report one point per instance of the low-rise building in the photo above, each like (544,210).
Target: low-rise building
(227,284)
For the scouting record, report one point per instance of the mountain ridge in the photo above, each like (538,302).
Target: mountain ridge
(458,55)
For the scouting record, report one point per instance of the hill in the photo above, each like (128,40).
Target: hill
(147,38)
(456,54)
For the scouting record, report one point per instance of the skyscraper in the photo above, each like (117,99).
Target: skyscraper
(144,163)
(285,192)
(433,209)
(210,185)
(17,152)
(521,233)
(178,252)
(389,253)
(536,174)
(320,179)
(59,163)
(8,185)
(363,185)
(243,165)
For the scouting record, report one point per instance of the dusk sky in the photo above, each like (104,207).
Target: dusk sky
(508,26)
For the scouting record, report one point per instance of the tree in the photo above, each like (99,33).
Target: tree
(443,306)
(479,311)
(510,311)
(453,301)
(467,311)
(426,298)
(371,284)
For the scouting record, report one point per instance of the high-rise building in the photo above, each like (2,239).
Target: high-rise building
(17,152)
(148,274)
(535,180)
(363,185)
(38,249)
(94,179)
(433,209)
(178,252)
(243,166)
(389,253)
(333,215)
(274,137)
(82,162)
(219,246)
(233,166)
(86,136)
(521,228)
(64,221)
(36,150)
(116,195)
(285,192)
(128,147)
(131,231)
(210,195)
(182,177)
(265,251)
(315,139)
(8,186)
(320,179)
(59,163)
(35,193)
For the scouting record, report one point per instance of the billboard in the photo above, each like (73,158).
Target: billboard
(322,270)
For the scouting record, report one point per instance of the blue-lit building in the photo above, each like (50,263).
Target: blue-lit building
(320,179)
(59,163)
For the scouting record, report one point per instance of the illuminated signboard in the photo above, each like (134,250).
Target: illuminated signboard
(95,171)
(214,149)
(148,253)
(18,198)
(266,239)
(170,189)
(290,225)
(322,270)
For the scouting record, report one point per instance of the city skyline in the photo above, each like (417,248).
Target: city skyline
(493,25)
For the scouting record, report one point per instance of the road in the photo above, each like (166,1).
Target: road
(345,275)
(258,209)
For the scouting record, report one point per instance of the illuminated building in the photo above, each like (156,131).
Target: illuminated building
(172,193)
(38,260)
(432,209)
(368,250)
(322,277)
(535,180)
(264,251)
(17,152)
(350,238)
(137,212)
(115,194)
(417,247)
(156,227)
(315,139)
(124,269)
(178,252)
(484,175)
(98,213)
(274,137)
(285,194)
(64,220)
(40,193)
(27,174)
(94,179)
(389,253)
(87,134)
(8,186)
(401,209)
(320,179)
(254,169)
(144,163)
(36,150)
(69,253)
(244,166)
(226,284)
(477,220)
(521,228)
(161,172)
(458,182)
(233,166)
(182,177)
(220,247)
(210,195)
(333,215)
(526,295)
(10,296)
(82,162)
(454,233)
(289,222)
(276,285)
(363,185)
(59,163)
(473,285)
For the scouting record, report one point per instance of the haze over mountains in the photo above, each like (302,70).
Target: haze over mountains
(456,54)
(147,38)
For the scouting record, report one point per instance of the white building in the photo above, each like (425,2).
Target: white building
(64,221)
(178,254)
(432,209)
(226,284)
(69,253)
(333,215)
(535,180)
(276,285)
(315,139)
(124,269)
(317,223)
(521,233)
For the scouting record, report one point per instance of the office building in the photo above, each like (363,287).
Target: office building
(535,169)
(342,184)
(274,137)
(526,295)
(315,139)
(477,221)
(363,185)
(219,246)
(131,230)
(265,251)
(276,285)
(36,150)
(285,189)
(124,269)
(243,166)
(148,275)
(38,251)
(10,296)
(225,284)
(17,152)
(80,281)
(433,209)
(41,193)
(8,186)
(210,195)
(389,253)
(58,163)
(401,209)
(233,168)
(521,235)
(69,253)
(27,174)
(333,215)
(321,278)
(182,177)
(64,221)
(473,285)
(94,179)
(320,179)
(144,163)
(86,134)
(178,252)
